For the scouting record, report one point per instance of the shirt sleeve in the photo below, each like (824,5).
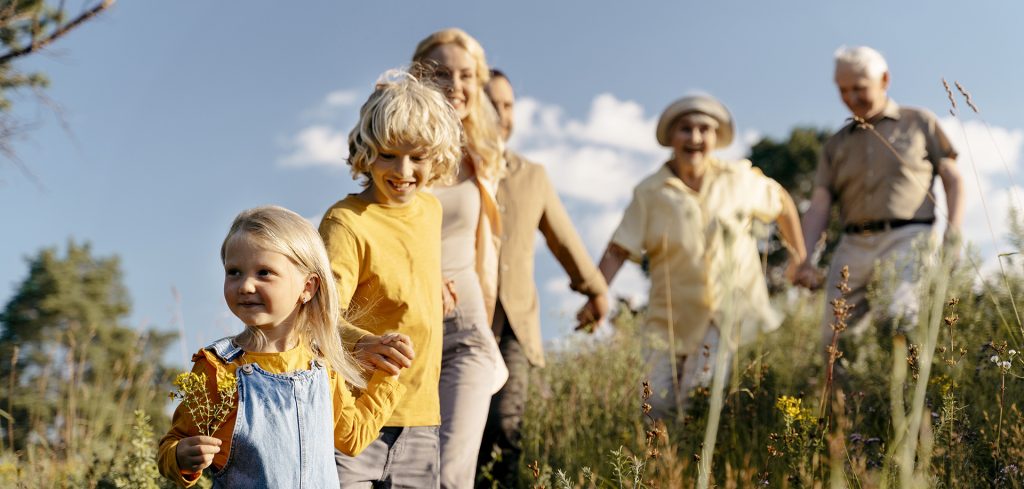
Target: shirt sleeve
(346,261)
(765,196)
(823,176)
(936,142)
(183,426)
(630,233)
(358,420)
(565,243)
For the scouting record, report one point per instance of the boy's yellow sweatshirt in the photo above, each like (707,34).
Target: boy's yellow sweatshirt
(387,264)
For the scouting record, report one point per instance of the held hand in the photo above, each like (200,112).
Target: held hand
(195,453)
(448,298)
(792,271)
(389,353)
(400,342)
(807,276)
(591,314)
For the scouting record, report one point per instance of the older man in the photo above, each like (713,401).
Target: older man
(879,169)
(527,202)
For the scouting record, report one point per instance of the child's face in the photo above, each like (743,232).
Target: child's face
(263,288)
(456,76)
(397,174)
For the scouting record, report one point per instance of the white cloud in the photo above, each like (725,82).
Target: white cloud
(619,124)
(990,161)
(317,145)
(324,141)
(341,98)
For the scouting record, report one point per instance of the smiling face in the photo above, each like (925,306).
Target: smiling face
(263,288)
(456,76)
(693,138)
(864,95)
(397,174)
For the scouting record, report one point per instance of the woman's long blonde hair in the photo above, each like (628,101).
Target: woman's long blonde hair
(282,231)
(483,138)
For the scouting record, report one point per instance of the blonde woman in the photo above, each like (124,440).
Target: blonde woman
(469,252)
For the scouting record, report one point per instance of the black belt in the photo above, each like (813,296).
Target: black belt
(884,225)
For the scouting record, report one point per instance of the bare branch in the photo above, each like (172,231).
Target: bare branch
(60,31)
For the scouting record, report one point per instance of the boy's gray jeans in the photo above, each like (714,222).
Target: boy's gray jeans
(401,457)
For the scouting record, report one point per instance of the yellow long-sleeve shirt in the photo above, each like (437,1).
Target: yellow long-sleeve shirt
(357,420)
(387,264)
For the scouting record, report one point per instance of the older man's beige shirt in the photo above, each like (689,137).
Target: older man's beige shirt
(868,180)
(704,263)
(527,202)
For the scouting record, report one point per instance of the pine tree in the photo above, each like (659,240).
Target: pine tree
(72,371)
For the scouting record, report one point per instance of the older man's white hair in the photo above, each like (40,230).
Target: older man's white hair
(862,59)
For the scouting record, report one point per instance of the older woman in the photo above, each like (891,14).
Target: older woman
(692,218)
(471,367)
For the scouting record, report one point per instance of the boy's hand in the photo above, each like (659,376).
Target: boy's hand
(195,453)
(389,353)
(399,342)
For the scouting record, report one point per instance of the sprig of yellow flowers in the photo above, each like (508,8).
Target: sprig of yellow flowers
(190,388)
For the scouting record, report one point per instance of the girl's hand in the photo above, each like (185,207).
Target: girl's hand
(195,453)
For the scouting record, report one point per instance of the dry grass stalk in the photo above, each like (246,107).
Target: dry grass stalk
(840,314)
(10,395)
(981,192)
(673,363)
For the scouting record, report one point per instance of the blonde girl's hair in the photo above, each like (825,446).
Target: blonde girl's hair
(483,137)
(280,230)
(404,111)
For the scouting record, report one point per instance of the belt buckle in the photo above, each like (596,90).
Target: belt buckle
(868,230)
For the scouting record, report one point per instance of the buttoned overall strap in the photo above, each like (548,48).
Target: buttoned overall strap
(226,349)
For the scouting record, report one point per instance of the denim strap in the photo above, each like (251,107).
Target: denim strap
(225,349)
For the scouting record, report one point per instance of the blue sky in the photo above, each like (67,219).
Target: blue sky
(176,115)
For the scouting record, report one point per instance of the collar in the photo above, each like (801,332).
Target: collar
(890,111)
(513,160)
(667,177)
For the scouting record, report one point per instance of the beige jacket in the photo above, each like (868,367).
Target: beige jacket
(527,201)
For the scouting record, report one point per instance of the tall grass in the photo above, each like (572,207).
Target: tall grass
(90,440)
(934,410)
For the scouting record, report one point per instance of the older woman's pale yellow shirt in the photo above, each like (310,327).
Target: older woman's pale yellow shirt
(704,262)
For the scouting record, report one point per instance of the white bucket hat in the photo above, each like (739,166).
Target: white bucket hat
(705,104)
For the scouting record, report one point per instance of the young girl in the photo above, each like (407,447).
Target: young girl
(293,407)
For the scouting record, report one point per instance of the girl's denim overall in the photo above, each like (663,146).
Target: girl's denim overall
(284,432)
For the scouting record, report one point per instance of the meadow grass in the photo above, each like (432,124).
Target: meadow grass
(937,407)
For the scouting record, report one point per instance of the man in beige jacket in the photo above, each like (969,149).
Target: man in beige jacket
(527,202)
